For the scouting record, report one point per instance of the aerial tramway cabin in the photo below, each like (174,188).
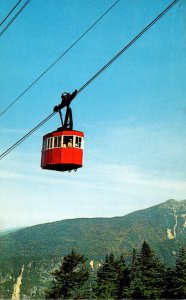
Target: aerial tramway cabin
(62,150)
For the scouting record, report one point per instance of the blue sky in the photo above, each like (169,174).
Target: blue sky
(133,115)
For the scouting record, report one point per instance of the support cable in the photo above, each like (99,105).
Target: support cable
(10,12)
(26,136)
(93,77)
(55,62)
(13,19)
(128,45)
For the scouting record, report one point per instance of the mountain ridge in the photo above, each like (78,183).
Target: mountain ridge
(169,201)
(40,247)
(130,227)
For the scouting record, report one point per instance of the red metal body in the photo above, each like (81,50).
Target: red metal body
(62,150)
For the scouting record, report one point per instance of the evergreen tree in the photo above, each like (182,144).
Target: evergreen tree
(180,275)
(134,263)
(122,280)
(167,290)
(135,290)
(146,275)
(106,278)
(69,278)
(151,272)
(112,278)
(175,278)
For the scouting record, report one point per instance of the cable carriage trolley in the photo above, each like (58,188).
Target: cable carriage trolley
(63,149)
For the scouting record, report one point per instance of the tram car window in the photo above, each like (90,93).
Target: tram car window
(62,150)
(57,141)
(68,141)
(78,142)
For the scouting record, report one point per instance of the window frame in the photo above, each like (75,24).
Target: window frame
(80,141)
(58,139)
(70,136)
(49,143)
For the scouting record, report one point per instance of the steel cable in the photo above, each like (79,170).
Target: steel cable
(93,77)
(26,136)
(13,19)
(10,12)
(128,45)
(52,65)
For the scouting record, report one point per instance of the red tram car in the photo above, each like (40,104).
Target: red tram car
(62,150)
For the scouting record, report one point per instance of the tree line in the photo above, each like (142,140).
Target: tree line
(146,277)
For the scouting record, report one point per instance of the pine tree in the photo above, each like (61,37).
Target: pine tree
(180,275)
(146,275)
(112,278)
(122,280)
(135,290)
(69,278)
(175,278)
(168,287)
(151,272)
(106,278)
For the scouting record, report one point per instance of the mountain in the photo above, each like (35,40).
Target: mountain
(8,230)
(39,248)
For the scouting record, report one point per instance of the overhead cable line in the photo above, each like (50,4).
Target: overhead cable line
(13,19)
(96,75)
(10,12)
(55,62)
(26,135)
(128,45)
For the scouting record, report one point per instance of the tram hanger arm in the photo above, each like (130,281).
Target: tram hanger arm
(66,100)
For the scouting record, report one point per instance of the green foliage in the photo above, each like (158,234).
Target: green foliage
(112,278)
(39,248)
(69,278)
(175,278)
(106,278)
(180,275)
(145,278)
(123,279)
(146,275)
(169,277)
(97,236)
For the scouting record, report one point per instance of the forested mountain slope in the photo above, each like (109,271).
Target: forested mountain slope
(162,226)
(40,247)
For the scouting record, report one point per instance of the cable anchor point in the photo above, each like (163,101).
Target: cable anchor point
(66,99)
